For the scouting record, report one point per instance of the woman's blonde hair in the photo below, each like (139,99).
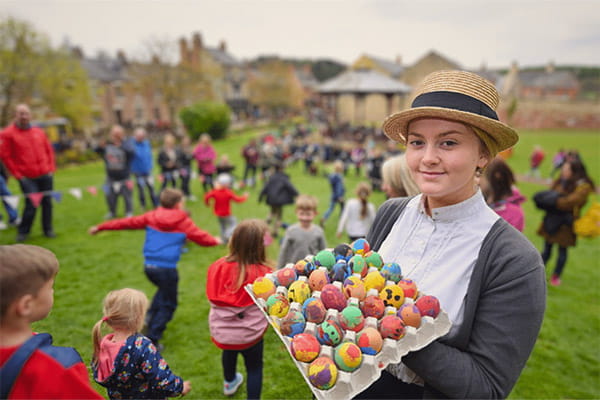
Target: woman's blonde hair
(247,247)
(395,173)
(122,309)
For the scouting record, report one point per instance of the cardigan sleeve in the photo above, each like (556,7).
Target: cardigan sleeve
(504,310)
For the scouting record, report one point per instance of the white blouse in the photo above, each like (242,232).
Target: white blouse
(439,252)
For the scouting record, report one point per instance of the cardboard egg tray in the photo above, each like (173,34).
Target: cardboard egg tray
(349,384)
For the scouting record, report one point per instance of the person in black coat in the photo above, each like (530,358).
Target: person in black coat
(277,191)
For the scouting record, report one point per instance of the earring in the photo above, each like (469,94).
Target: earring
(478,172)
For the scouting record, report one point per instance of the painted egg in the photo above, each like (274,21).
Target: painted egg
(360,246)
(392,326)
(314,310)
(409,287)
(322,373)
(351,318)
(317,279)
(374,280)
(354,287)
(372,306)
(263,287)
(391,272)
(304,267)
(285,276)
(324,258)
(428,305)
(292,324)
(410,314)
(358,265)
(278,305)
(373,259)
(347,356)
(305,347)
(332,297)
(329,332)
(370,341)
(298,292)
(392,296)
(340,271)
(342,252)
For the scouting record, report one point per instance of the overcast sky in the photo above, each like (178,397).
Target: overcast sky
(470,32)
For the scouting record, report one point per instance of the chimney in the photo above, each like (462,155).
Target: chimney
(121,57)
(196,49)
(223,46)
(77,52)
(184,56)
(550,68)
(399,59)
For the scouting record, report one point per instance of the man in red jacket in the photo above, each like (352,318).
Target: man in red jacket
(28,155)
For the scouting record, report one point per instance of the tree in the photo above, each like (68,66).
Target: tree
(63,86)
(159,72)
(20,63)
(206,116)
(275,87)
(31,71)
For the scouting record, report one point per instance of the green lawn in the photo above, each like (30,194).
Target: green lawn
(564,364)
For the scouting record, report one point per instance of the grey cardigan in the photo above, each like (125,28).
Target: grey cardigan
(503,314)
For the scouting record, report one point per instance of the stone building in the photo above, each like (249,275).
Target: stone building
(227,74)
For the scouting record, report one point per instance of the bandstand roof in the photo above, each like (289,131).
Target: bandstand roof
(362,81)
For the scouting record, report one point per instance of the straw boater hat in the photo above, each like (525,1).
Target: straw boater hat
(458,96)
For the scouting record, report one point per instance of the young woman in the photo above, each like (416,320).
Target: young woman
(573,188)
(488,277)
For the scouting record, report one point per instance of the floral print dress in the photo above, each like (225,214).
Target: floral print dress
(140,372)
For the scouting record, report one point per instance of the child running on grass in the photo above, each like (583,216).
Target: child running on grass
(236,324)
(167,229)
(222,196)
(30,366)
(126,362)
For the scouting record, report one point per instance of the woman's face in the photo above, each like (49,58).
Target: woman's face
(442,156)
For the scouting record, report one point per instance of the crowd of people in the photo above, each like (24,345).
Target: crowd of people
(449,183)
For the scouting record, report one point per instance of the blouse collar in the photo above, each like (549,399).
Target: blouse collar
(465,209)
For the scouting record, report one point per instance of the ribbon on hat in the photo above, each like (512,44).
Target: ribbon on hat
(455,101)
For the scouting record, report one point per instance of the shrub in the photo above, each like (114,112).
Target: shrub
(207,116)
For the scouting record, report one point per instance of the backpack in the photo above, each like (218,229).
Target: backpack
(12,367)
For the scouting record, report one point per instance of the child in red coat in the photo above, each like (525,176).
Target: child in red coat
(222,196)
(236,324)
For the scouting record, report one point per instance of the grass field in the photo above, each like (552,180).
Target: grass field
(565,362)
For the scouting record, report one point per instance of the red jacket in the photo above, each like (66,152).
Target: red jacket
(222,200)
(26,153)
(51,373)
(166,232)
(221,281)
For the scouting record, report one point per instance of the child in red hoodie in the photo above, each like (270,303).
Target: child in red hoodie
(236,324)
(167,229)
(222,196)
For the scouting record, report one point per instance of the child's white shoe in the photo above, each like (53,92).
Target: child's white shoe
(229,388)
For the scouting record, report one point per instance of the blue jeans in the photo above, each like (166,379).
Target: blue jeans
(142,182)
(12,213)
(164,301)
(253,360)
